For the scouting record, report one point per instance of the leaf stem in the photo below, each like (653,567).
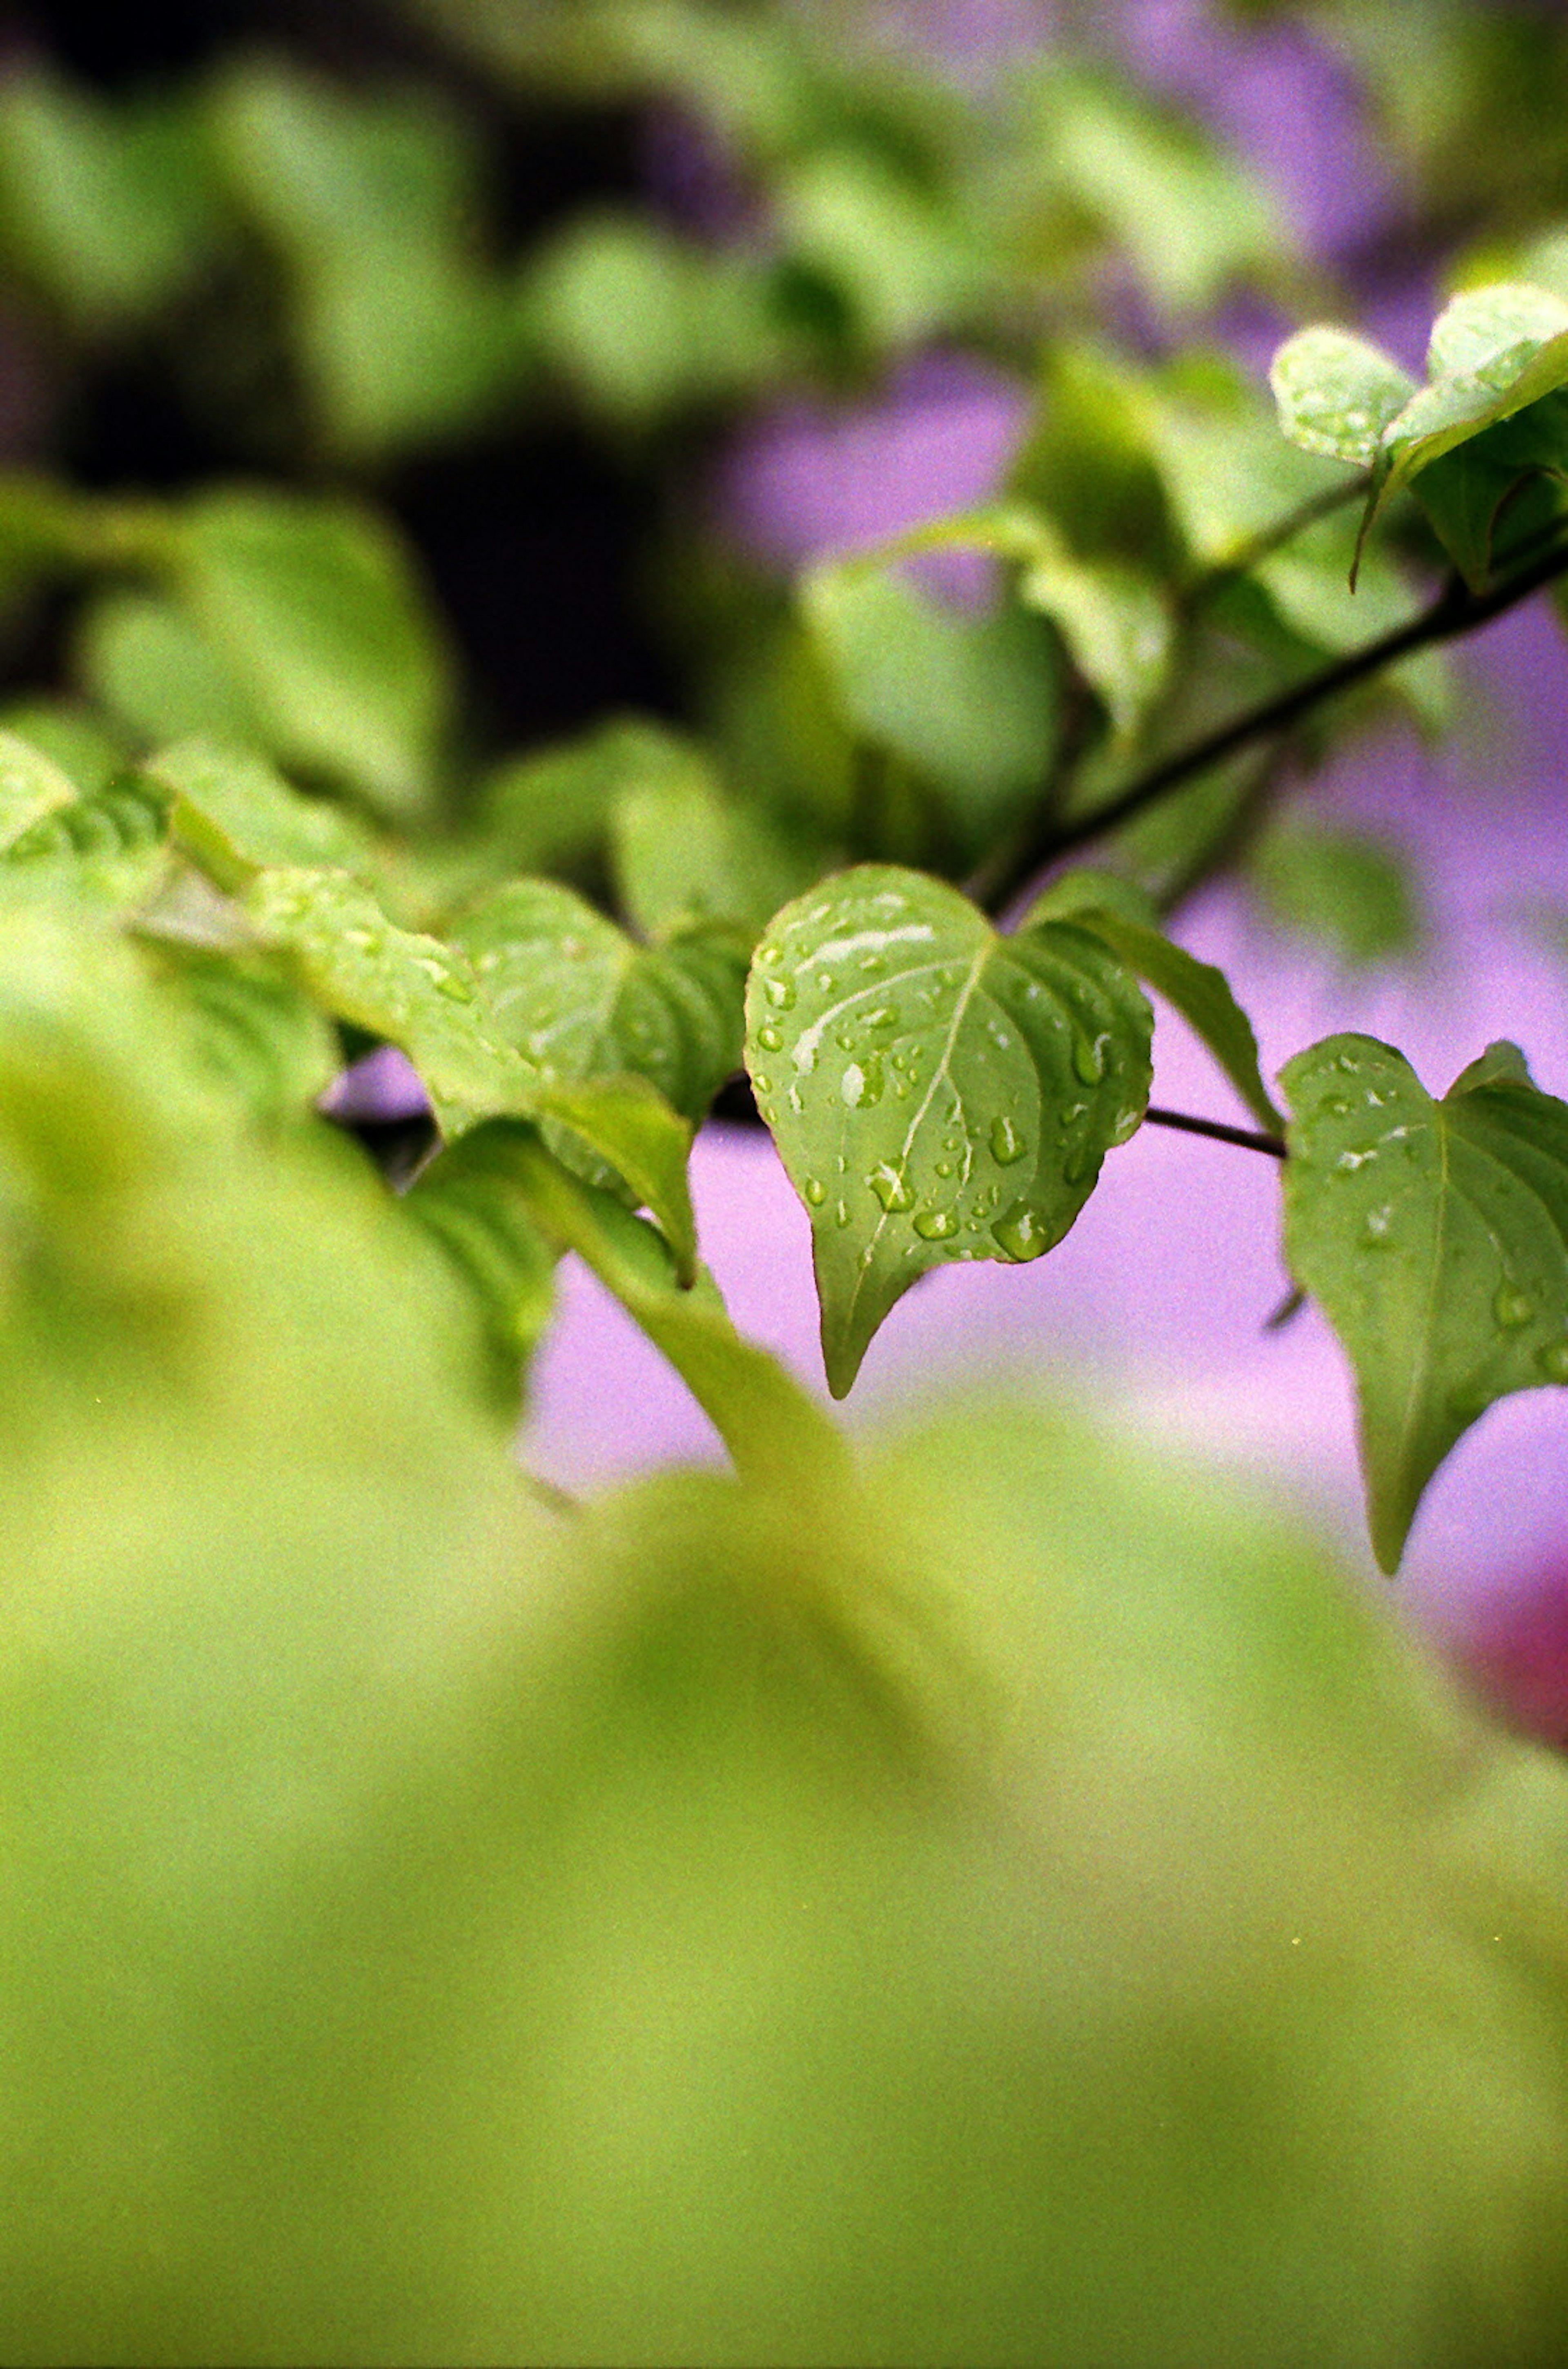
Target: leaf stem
(1250,1138)
(1457,609)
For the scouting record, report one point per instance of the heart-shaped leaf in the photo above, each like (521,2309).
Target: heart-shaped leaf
(1434,1237)
(580,998)
(1336,394)
(936,1091)
(415,992)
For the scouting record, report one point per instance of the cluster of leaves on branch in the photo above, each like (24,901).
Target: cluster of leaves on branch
(982,1897)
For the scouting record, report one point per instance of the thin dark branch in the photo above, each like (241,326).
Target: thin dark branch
(1456,611)
(1249,1138)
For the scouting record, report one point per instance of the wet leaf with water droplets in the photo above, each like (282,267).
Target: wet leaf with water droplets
(581,999)
(1003,1070)
(1434,1237)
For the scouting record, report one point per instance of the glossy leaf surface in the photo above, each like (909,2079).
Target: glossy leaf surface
(579,998)
(936,1092)
(1434,1237)
(1198,990)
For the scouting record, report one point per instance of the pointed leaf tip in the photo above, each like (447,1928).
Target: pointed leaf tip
(937,1092)
(1434,1237)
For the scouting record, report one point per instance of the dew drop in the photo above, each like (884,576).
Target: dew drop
(1006,1143)
(887,1015)
(842,1213)
(763,1083)
(1336,1107)
(1511,1306)
(1080,1164)
(825,982)
(816,1191)
(771,1039)
(779,993)
(891,1188)
(862,1082)
(945,1168)
(770,956)
(936,1225)
(1553,1361)
(1377,1227)
(453,985)
(1089,1058)
(1020,1236)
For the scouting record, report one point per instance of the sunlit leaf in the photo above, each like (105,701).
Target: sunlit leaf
(313,606)
(252,1031)
(235,815)
(936,1092)
(110,851)
(399,985)
(1336,394)
(685,853)
(580,998)
(1434,1236)
(141,656)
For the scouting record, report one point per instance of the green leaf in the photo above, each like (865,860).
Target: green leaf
(235,815)
(399,985)
(555,805)
(684,855)
(1434,1236)
(139,655)
(936,1092)
(467,1198)
(413,991)
(31,785)
(625,1122)
(1117,624)
(80,744)
(1199,991)
(773,1429)
(1495,353)
(109,210)
(1187,213)
(1336,394)
(109,851)
(369,198)
(580,998)
(642,321)
(970,701)
(254,1032)
(312,604)
(902,263)
(1346,890)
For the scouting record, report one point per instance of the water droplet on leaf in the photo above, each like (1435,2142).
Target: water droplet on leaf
(936,1225)
(862,1082)
(890,1187)
(1511,1306)
(1020,1236)
(1006,1143)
